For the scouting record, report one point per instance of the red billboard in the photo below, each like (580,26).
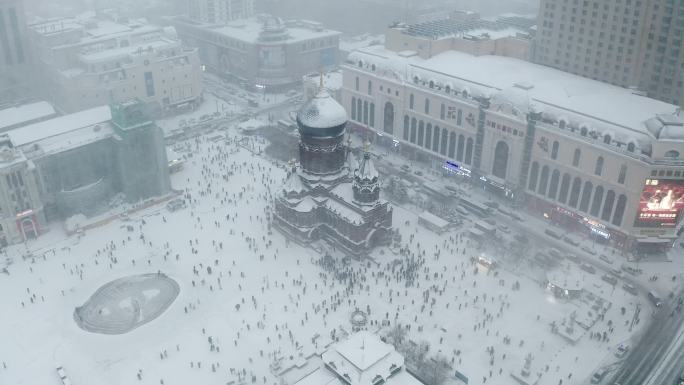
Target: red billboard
(661,203)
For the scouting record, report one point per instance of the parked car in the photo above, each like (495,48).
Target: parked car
(622,351)
(588,250)
(606,259)
(504,229)
(598,376)
(630,289)
(552,234)
(588,268)
(610,279)
(571,241)
(573,257)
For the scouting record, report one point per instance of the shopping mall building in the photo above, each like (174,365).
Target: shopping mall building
(594,158)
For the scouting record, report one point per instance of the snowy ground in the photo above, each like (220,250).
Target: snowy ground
(284,297)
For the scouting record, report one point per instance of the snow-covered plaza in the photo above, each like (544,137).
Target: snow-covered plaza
(248,297)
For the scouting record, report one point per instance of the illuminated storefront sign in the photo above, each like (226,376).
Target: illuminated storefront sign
(454,167)
(661,203)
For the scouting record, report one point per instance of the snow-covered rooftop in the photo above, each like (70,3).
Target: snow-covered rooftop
(26,113)
(60,125)
(364,349)
(248,30)
(549,89)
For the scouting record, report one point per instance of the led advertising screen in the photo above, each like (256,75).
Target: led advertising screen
(661,203)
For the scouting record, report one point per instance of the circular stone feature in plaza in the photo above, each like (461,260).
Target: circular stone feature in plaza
(127,303)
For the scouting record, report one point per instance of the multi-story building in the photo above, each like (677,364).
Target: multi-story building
(507,36)
(591,156)
(661,54)
(219,11)
(87,62)
(264,51)
(74,164)
(16,78)
(631,43)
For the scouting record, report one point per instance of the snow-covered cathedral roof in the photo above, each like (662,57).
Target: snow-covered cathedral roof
(322,112)
(367,170)
(294,184)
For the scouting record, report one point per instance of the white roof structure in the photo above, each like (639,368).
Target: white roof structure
(322,112)
(27,113)
(433,220)
(364,359)
(547,89)
(60,125)
(367,170)
(248,30)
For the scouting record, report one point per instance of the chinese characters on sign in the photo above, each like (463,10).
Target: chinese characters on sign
(661,203)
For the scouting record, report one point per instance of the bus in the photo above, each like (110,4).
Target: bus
(478,209)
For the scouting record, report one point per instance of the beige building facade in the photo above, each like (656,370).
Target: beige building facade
(589,156)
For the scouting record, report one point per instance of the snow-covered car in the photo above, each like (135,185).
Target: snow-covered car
(609,278)
(630,289)
(588,250)
(504,229)
(622,351)
(606,259)
(588,268)
(571,241)
(598,375)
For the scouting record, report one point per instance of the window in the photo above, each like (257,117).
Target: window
(406,127)
(631,146)
(365,112)
(534,175)
(372,115)
(427,106)
(599,166)
(435,139)
(674,154)
(353,108)
(608,205)
(428,135)
(565,186)
(586,196)
(359,109)
(500,160)
(576,157)
(443,142)
(452,145)
(553,187)
(606,139)
(388,118)
(411,101)
(460,148)
(149,84)
(596,203)
(459,117)
(370,87)
(357,83)
(544,180)
(623,174)
(619,210)
(442,111)
(421,133)
(554,150)
(469,151)
(414,123)
(561,124)
(575,192)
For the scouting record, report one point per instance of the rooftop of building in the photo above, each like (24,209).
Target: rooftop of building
(364,349)
(250,30)
(93,29)
(459,27)
(527,86)
(59,126)
(25,114)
